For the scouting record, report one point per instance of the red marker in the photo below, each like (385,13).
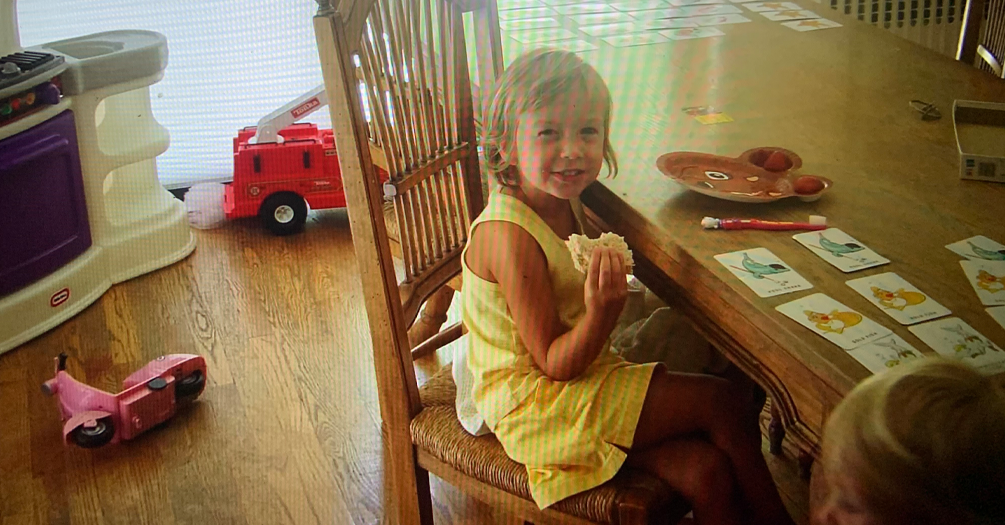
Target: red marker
(816,222)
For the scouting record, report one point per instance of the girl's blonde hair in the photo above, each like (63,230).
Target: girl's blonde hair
(537,79)
(925,443)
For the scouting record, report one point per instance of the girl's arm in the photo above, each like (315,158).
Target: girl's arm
(517,263)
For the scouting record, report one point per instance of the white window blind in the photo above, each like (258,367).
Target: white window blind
(230,62)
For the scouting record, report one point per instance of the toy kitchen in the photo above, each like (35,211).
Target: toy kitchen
(80,204)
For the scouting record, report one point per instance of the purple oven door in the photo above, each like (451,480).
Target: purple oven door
(43,217)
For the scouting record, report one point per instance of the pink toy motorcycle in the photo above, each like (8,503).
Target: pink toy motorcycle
(149,396)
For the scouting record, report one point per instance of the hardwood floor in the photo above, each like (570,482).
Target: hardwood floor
(288,428)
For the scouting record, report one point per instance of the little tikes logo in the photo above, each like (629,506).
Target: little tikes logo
(305,107)
(59,297)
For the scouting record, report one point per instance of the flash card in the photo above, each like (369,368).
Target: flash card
(640,39)
(667,23)
(757,7)
(688,33)
(834,321)
(639,5)
(840,249)
(528,23)
(583,9)
(883,354)
(544,35)
(789,14)
(763,272)
(898,298)
(978,248)
(594,19)
(718,20)
(811,25)
(956,339)
(988,280)
(998,314)
(523,14)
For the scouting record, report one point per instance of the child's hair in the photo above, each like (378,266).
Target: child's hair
(536,79)
(925,443)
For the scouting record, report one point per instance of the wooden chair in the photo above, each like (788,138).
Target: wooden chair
(983,36)
(425,129)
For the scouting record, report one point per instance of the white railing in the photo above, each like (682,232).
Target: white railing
(934,24)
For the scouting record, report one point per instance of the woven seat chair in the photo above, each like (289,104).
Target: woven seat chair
(423,128)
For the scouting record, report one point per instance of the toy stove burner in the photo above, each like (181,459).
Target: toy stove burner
(21,66)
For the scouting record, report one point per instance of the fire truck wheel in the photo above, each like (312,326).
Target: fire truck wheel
(283,213)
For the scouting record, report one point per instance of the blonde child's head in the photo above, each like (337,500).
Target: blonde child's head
(923,443)
(535,80)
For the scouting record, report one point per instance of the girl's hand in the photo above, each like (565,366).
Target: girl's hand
(606,288)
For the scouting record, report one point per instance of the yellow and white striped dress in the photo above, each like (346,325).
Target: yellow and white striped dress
(567,433)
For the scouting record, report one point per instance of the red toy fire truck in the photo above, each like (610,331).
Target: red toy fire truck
(282,169)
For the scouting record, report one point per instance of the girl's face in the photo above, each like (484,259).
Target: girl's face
(839,500)
(559,149)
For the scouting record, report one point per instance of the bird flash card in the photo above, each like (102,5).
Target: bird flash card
(956,339)
(834,321)
(978,248)
(885,353)
(898,298)
(988,280)
(840,249)
(763,272)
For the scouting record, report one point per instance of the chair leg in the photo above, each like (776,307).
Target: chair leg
(432,317)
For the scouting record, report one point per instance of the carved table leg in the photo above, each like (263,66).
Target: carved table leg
(805,466)
(776,431)
(432,317)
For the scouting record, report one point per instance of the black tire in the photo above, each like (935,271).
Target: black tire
(190,386)
(94,437)
(283,213)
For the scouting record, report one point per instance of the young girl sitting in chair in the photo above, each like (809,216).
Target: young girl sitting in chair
(545,381)
(923,443)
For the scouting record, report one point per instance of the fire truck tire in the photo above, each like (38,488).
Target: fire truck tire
(283,213)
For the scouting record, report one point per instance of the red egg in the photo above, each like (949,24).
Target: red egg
(777,161)
(808,185)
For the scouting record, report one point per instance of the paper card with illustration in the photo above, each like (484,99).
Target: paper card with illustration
(681,3)
(528,23)
(811,25)
(998,314)
(595,19)
(583,9)
(956,339)
(523,14)
(979,248)
(640,39)
(574,46)
(834,321)
(762,271)
(667,23)
(688,33)
(789,14)
(611,29)
(544,35)
(639,5)
(898,298)
(757,7)
(719,20)
(510,5)
(840,249)
(988,280)
(704,10)
(884,354)
(561,2)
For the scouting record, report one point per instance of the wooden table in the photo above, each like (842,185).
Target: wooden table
(838,98)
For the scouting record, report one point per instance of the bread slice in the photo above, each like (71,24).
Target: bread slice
(582,247)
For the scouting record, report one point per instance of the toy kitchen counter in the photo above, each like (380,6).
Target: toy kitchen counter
(81,207)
